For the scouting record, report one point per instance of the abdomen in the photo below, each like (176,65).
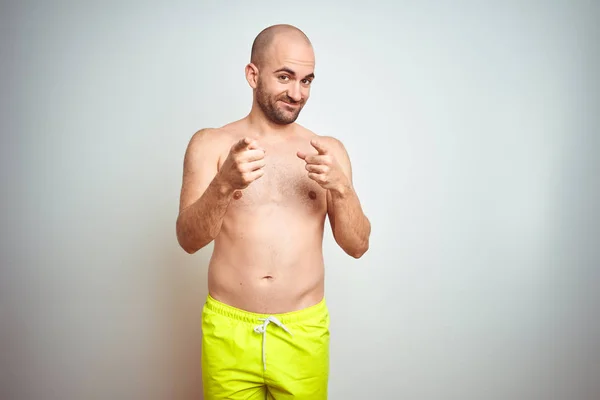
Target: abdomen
(268,260)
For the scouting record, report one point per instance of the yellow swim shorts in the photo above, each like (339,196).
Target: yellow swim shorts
(258,356)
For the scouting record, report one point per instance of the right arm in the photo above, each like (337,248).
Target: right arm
(204,198)
(206,192)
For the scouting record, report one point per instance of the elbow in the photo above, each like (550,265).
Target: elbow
(358,249)
(186,245)
(183,239)
(361,249)
(358,252)
(355,248)
(189,244)
(188,249)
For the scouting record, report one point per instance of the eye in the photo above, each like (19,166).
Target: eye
(306,81)
(284,78)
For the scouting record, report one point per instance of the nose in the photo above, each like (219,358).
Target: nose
(294,92)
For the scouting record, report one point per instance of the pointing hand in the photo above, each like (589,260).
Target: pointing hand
(244,164)
(323,167)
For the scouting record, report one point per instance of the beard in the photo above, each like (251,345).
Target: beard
(275,112)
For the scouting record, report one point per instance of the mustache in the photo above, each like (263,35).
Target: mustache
(289,100)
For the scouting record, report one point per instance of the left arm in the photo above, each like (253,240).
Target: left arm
(331,168)
(351,228)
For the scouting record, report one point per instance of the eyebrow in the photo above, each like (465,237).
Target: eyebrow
(289,71)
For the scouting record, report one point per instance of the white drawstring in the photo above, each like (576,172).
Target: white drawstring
(262,329)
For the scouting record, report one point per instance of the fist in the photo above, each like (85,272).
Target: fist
(244,164)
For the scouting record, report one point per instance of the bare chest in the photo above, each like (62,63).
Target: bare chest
(285,183)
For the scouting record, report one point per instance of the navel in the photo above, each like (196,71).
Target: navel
(312,195)
(237,194)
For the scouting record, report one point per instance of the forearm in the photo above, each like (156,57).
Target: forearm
(200,223)
(351,228)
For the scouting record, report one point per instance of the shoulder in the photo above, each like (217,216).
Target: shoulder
(331,142)
(203,135)
(206,147)
(210,139)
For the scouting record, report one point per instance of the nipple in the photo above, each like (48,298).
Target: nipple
(237,195)
(312,195)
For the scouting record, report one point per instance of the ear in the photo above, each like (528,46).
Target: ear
(252,75)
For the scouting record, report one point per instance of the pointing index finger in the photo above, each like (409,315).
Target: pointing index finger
(245,143)
(242,144)
(319,147)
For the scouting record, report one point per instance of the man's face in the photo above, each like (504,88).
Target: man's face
(284,80)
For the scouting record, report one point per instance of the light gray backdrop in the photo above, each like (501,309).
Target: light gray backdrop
(473,131)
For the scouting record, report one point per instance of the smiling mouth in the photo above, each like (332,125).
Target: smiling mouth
(292,105)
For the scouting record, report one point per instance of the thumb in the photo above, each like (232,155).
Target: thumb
(301,155)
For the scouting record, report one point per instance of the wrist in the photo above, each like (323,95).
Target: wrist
(223,187)
(341,191)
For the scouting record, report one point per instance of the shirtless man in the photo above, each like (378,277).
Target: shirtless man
(261,187)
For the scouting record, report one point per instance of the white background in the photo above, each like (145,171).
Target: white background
(473,129)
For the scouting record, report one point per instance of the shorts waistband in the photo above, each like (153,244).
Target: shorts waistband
(247,316)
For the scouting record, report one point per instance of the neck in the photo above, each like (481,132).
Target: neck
(264,126)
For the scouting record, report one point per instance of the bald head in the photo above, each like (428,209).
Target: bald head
(265,39)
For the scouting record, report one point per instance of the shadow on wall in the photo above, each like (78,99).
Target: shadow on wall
(185,283)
